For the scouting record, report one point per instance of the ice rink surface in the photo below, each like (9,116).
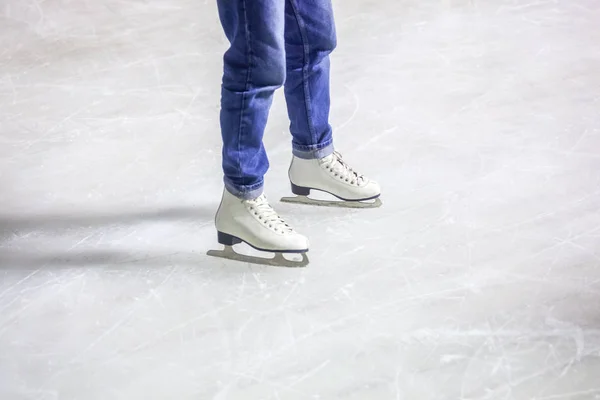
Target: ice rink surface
(479,278)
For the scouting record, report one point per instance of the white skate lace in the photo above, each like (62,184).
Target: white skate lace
(267,215)
(334,163)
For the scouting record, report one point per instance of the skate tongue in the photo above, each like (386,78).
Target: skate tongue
(261,199)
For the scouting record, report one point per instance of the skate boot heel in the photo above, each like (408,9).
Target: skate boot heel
(227,240)
(300,191)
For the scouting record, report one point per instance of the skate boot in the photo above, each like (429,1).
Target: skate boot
(331,175)
(258,225)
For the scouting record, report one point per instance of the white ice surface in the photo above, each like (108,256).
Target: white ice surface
(479,278)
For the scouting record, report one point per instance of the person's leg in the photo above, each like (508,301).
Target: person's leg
(254,67)
(309,39)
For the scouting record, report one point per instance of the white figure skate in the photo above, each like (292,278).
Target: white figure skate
(331,175)
(258,225)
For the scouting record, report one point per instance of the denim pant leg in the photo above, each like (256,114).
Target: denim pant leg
(254,67)
(310,37)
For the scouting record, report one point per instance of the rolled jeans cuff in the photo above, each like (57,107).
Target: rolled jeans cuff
(313,151)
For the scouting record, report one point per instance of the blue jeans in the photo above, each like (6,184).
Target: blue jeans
(273,43)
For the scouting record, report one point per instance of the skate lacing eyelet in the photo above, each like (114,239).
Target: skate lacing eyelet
(268,217)
(348,174)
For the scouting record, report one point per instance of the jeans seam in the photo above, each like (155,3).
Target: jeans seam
(246,87)
(305,65)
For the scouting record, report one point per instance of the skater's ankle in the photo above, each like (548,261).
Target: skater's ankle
(244,192)
(313,152)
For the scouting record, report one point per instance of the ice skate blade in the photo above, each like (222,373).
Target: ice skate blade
(278,260)
(332,203)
